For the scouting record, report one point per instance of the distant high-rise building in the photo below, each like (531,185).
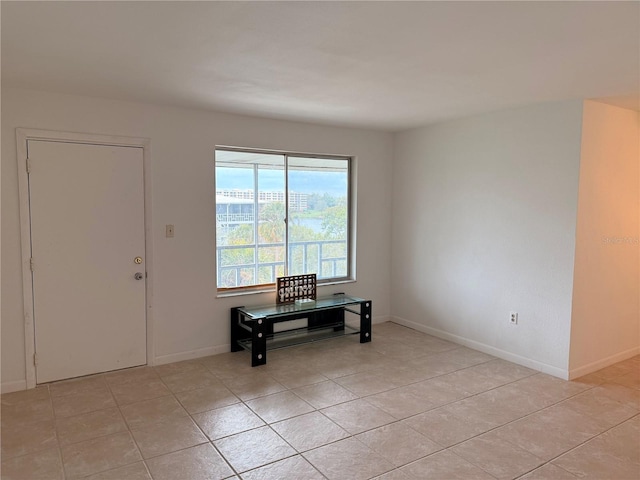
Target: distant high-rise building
(298,202)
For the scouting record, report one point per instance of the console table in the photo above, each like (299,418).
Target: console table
(252,328)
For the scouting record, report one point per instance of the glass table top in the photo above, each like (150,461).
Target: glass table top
(282,309)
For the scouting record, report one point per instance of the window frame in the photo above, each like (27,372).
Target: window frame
(351,215)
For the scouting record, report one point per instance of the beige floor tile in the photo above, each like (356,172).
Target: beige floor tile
(594,460)
(202,462)
(524,401)
(549,472)
(599,404)
(190,380)
(367,383)
(467,382)
(336,366)
(394,475)
(21,440)
(93,383)
(230,365)
(589,380)
(432,365)
(226,421)
(550,432)
(83,402)
(324,394)
(631,380)
(309,431)
(251,386)
(89,425)
(616,370)
(498,457)
(252,449)
(298,378)
(622,442)
(357,416)
(27,413)
(208,398)
(437,391)
(25,396)
(293,467)
(397,349)
(433,344)
(446,429)
(503,370)
(400,403)
(135,471)
(445,465)
(170,436)
(279,406)
(44,465)
(132,392)
(622,394)
(130,375)
(424,392)
(465,357)
(401,373)
(99,454)
(147,412)
(398,443)
(180,368)
(499,406)
(550,388)
(348,459)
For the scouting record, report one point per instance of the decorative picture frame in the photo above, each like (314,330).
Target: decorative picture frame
(295,287)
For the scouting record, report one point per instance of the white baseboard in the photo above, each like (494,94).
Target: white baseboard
(381,319)
(205,352)
(605,362)
(488,349)
(15,386)
(191,354)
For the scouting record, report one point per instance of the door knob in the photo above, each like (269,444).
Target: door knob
(138,276)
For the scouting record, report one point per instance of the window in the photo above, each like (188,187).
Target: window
(281,214)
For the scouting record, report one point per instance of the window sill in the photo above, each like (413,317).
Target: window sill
(272,289)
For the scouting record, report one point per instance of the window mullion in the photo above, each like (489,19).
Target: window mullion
(256,214)
(286,214)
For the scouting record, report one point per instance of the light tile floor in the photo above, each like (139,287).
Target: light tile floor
(406,406)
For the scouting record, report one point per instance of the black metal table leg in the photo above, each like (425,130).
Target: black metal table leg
(365,321)
(236,330)
(259,342)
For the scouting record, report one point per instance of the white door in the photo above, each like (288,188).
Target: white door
(87,228)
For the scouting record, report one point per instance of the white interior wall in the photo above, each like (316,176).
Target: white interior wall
(484,217)
(605,326)
(188,319)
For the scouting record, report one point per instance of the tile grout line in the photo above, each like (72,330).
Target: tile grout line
(315,409)
(550,461)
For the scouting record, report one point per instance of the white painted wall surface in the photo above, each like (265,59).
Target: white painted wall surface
(484,217)
(605,325)
(188,320)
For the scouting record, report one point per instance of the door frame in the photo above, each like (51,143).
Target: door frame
(23,135)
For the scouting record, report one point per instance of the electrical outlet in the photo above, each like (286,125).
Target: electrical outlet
(169,231)
(513,318)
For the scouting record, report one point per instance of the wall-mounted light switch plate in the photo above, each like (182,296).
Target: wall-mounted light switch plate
(169,231)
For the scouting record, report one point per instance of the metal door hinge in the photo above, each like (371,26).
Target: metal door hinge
(28,166)
(35,359)
(31,264)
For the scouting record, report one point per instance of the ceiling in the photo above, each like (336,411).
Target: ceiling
(381,65)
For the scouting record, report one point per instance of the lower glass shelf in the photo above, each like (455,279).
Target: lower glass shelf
(299,336)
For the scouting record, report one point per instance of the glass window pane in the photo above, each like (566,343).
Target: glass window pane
(318,216)
(250,248)
(259,236)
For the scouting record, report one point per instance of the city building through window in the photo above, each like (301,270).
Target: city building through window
(281,214)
